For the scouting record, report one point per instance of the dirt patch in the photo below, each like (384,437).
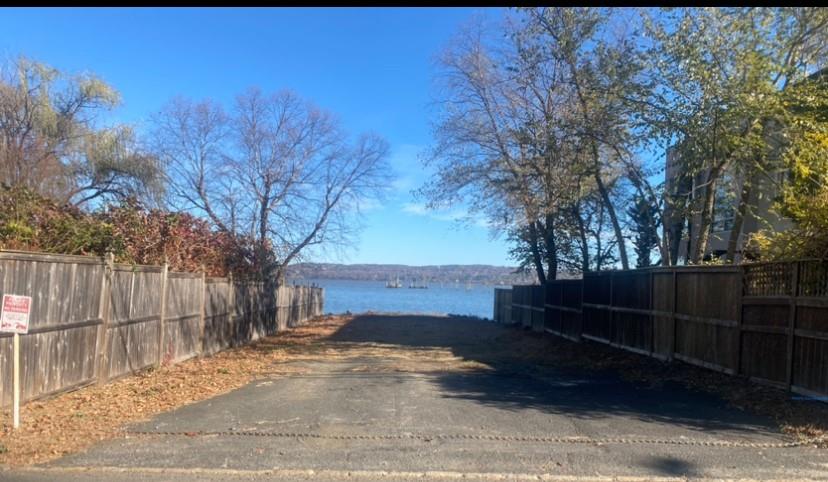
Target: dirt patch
(72,421)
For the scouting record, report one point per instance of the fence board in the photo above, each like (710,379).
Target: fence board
(765,321)
(59,350)
(218,330)
(537,294)
(70,345)
(503,305)
(182,316)
(134,320)
(596,300)
(522,305)
(631,320)
(707,317)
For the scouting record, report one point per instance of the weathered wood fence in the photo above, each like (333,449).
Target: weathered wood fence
(766,321)
(94,321)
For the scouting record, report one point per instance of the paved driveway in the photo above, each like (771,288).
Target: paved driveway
(363,418)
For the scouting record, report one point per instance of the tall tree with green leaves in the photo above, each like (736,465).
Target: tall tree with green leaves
(804,195)
(717,75)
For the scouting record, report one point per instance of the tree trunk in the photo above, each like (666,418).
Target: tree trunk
(599,251)
(690,244)
(279,276)
(706,213)
(551,250)
(616,226)
(678,200)
(536,256)
(738,220)
(265,268)
(583,238)
(675,229)
(673,224)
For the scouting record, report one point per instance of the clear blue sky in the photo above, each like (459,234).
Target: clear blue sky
(373,67)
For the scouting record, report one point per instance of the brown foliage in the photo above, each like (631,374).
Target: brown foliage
(134,234)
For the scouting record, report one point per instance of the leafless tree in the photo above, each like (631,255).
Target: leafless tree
(277,169)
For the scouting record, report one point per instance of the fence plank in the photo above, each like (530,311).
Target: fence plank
(164,275)
(201,320)
(93,321)
(767,321)
(103,329)
(792,326)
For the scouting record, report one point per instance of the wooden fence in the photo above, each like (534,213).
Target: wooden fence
(502,304)
(766,321)
(94,321)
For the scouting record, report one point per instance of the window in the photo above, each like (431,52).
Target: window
(723,206)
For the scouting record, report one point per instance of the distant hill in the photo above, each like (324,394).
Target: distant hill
(450,273)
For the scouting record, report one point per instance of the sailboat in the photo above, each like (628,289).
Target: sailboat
(395,284)
(414,285)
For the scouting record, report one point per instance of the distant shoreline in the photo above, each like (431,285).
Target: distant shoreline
(431,283)
(474,274)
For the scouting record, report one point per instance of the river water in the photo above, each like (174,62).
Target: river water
(447,298)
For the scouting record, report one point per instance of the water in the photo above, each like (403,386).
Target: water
(448,298)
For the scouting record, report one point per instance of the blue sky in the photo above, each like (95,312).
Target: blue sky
(374,68)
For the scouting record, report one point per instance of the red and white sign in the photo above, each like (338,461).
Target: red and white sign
(14,316)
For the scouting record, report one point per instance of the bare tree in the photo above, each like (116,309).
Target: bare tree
(278,169)
(192,141)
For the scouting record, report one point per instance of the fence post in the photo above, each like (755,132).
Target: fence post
(161,350)
(674,320)
(581,310)
(232,306)
(321,302)
(202,312)
(611,305)
(792,324)
(739,309)
(102,345)
(652,315)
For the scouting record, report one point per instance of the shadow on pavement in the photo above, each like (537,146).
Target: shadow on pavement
(517,382)
(670,466)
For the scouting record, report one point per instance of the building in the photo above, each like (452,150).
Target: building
(688,192)
(685,194)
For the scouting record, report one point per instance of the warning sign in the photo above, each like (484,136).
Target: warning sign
(14,314)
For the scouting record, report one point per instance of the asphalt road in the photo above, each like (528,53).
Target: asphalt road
(359,419)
